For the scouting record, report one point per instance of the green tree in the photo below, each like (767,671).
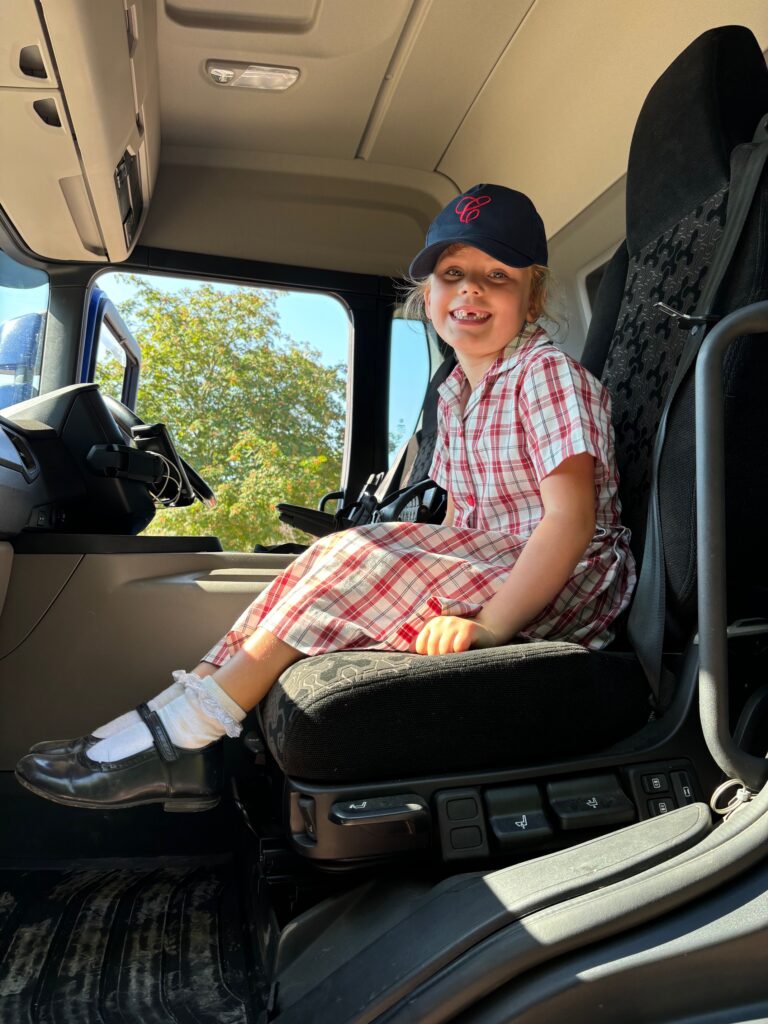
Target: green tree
(255,413)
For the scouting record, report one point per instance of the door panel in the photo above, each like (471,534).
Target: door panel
(82,649)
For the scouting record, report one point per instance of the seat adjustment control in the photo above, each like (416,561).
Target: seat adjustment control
(401,812)
(591,802)
(516,815)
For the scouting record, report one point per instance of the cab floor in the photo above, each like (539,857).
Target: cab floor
(163,941)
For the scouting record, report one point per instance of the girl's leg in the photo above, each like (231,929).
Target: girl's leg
(212,701)
(116,772)
(248,676)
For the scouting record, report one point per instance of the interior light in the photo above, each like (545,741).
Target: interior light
(251,76)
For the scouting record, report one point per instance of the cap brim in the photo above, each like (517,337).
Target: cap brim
(424,263)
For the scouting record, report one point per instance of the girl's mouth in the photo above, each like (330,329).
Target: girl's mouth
(469,316)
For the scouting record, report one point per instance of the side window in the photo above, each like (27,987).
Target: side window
(24,294)
(114,356)
(588,281)
(111,362)
(409,373)
(251,383)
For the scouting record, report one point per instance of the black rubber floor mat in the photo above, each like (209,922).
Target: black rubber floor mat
(159,944)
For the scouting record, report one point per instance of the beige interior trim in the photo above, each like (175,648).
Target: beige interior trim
(114,633)
(557,114)
(42,187)
(104,79)
(279,16)
(596,230)
(344,215)
(64,133)
(19,28)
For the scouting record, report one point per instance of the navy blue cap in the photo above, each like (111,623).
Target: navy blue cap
(497,220)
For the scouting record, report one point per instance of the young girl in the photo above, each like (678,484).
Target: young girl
(531,545)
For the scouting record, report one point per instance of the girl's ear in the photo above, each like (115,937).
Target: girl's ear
(426,302)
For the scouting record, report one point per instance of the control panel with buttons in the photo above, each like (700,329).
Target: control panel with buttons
(659,789)
(479,821)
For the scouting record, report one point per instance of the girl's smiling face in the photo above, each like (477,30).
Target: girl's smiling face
(478,305)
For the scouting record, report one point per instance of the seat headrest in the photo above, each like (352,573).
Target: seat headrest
(708,100)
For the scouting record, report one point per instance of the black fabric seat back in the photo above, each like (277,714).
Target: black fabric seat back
(709,101)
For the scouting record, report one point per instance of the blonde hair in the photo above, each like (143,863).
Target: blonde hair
(415,289)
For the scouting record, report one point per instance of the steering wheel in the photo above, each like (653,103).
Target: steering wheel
(126,419)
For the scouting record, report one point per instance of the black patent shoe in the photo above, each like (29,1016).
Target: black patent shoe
(54,748)
(180,780)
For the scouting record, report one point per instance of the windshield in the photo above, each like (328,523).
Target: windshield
(24,294)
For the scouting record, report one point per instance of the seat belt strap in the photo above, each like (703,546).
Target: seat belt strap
(647,617)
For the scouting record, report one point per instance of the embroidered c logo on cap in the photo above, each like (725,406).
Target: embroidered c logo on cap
(468,207)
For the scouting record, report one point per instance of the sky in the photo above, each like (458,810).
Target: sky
(324,323)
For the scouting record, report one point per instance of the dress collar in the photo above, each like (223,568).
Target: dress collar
(531,336)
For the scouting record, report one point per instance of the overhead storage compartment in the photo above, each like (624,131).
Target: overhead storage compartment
(80,116)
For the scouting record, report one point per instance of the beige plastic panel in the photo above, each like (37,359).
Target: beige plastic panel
(347,216)
(114,635)
(457,45)
(146,89)
(343,59)
(41,184)
(584,242)
(19,28)
(556,117)
(90,43)
(243,15)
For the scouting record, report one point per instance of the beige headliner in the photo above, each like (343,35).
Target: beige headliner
(399,104)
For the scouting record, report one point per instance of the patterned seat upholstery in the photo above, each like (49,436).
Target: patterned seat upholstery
(376,715)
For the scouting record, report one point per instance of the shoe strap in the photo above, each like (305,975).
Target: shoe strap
(160,737)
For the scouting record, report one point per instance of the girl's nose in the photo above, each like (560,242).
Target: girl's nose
(470,284)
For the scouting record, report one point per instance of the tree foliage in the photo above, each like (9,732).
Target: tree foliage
(254,412)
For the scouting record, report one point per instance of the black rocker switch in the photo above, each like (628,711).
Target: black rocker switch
(682,788)
(592,802)
(516,816)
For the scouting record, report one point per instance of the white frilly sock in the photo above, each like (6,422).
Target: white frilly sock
(197,716)
(132,717)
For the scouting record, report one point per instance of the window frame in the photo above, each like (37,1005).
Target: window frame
(603,259)
(101,310)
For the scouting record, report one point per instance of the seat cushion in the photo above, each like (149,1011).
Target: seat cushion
(365,715)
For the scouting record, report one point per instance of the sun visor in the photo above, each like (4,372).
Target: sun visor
(79,103)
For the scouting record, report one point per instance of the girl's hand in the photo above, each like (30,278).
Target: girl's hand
(450,634)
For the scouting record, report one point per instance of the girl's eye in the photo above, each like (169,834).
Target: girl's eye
(452,272)
(499,275)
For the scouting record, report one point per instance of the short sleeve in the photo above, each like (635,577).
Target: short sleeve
(564,411)
(440,469)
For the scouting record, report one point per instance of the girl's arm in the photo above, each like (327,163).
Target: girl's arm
(449,511)
(544,567)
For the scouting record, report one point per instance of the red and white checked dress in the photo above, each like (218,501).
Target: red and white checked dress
(375,586)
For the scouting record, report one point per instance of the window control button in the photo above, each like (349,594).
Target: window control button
(590,802)
(656,783)
(682,788)
(663,805)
